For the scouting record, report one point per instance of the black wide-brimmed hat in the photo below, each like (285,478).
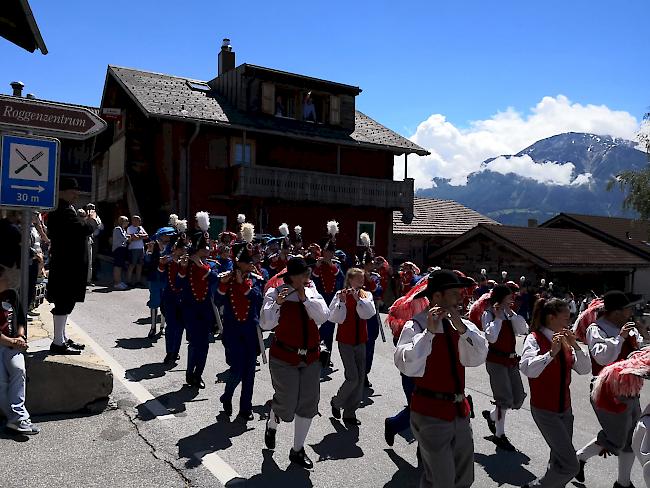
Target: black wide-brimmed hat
(243,252)
(443,279)
(296,266)
(617,300)
(68,183)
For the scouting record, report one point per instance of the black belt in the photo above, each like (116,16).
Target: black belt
(295,350)
(509,355)
(436,395)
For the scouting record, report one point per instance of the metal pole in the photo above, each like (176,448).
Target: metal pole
(24,263)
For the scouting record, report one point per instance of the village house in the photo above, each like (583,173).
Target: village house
(275,146)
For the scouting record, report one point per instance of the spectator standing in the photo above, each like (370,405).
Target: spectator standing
(98,227)
(136,250)
(120,252)
(66,285)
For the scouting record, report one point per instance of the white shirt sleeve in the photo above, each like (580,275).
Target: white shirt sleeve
(519,325)
(316,306)
(270,314)
(338,310)
(413,349)
(472,346)
(366,307)
(604,350)
(491,326)
(532,363)
(581,361)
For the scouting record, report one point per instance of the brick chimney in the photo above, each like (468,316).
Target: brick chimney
(17,87)
(226,57)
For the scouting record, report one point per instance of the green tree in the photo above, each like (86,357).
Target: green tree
(636,184)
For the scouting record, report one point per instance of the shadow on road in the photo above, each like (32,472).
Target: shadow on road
(506,467)
(271,475)
(148,371)
(174,402)
(136,342)
(341,444)
(406,476)
(215,437)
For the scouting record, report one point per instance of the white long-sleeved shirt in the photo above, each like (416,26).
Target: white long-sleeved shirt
(605,342)
(314,304)
(532,364)
(365,308)
(415,343)
(492,324)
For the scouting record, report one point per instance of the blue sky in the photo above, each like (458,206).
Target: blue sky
(465,59)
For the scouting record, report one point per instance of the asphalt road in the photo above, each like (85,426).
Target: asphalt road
(195,445)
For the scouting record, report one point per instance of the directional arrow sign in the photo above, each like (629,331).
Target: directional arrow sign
(48,118)
(22,187)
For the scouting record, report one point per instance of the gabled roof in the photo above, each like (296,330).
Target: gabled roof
(631,234)
(18,25)
(553,247)
(167,96)
(434,217)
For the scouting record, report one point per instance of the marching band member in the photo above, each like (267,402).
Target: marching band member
(294,310)
(350,309)
(408,276)
(550,353)
(198,314)
(155,249)
(501,326)
(610,339)
(434,348)
(240,294)
(371,285)
(278,261)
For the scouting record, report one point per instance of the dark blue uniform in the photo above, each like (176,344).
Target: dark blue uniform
(171,306)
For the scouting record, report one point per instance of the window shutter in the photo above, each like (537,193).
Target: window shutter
(268,98)
(335,110)
(218,153)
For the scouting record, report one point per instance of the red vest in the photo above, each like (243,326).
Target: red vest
(295,330)
(353,330)
(327,274)
(443,366)
(550,390)
(505,345)
(626,350)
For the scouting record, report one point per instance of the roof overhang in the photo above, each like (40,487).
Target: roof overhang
(18,25)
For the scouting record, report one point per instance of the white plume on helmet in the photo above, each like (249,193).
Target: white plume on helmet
(298,230)
(284,229)
(173,219)
(241,218)
(247,232)
(332,228)
(365,239)
(181,226)
(203,220)
(483,272)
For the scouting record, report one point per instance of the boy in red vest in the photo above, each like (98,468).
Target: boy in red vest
(434,348)
(610,339)
(294,310)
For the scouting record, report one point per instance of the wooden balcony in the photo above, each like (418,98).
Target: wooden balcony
(309,186)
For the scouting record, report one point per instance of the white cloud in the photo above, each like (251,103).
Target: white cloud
(551,173)
(456,152)
(583,179)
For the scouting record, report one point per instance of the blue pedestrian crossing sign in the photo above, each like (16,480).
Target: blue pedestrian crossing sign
(29,172)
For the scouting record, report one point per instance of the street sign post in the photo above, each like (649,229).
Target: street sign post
(48,118)
(29,172)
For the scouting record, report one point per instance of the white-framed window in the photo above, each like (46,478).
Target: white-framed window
(217,225)
(369,227)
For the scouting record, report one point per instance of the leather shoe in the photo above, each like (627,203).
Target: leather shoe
(389,435)
(269,435)
(351,421)
(245,416)
(300,458)
(198,382)
(491,424)
(581,472)
(336,412)
(75,345)
(504,443)
(227,406)
(63,349)
(190,380)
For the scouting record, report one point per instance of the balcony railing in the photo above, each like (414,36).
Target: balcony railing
(310,186)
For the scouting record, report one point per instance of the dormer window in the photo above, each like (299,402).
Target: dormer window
(289,102)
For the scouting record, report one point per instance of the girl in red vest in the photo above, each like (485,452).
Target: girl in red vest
(501,326)
(294,310)
(350,308)
(610,339)
(550,353)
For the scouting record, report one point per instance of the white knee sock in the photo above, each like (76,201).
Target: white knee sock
(273,421)
(625,462)
(59,329)
(501,422)
(590,450)
(301,426)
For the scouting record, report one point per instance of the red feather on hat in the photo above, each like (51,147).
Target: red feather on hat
(477,309)
(586,318)
(275,281)
(621,379)
(406,307)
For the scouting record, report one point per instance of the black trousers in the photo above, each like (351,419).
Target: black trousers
(63,306)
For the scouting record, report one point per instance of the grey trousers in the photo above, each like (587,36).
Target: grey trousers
(617,428)
(557,430)
(12,384)
(297,389)
(351,391)
(447,451)
(507,388)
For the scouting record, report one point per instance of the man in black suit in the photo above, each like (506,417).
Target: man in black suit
(66,285)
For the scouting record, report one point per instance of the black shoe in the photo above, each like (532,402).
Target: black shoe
(491,425)
(336,412)
(269,435)
(245,416)
(389,435)
(190,380)
(351,421)
(75,345)
(168,359)
(504,443)
(63,350)
(300,458)
(227,406)
(198,382)
(367,383)
(152,333)
(581,472)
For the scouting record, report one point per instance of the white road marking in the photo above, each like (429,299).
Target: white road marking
(219,468)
